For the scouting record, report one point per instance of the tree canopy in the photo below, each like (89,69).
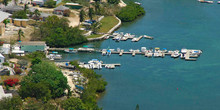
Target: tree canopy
(73,104)
(20,14)
(131,12)
(57,33)
(48,78)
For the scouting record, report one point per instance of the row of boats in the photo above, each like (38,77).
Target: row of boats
(96,64)
(156,52)
(205,1)
(123,37)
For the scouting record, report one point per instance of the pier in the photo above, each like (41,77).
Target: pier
(187,54)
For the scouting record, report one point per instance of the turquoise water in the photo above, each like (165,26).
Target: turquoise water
(152,82)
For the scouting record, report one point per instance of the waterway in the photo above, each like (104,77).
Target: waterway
(165,83)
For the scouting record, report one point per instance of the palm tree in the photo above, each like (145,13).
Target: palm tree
(95,27)
(82,16)
(20,34)
(36,14)
(91,12)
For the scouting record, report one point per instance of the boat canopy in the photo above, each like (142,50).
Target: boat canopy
(157,48)
(165,48)
(85,46)
(71,48)
(54,52)
(79,87)
(108,50)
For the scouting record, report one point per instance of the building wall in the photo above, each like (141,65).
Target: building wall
(2,60)
(2,28)
(17,23)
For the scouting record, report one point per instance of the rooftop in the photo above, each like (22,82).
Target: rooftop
(32,43)
(61,8)
(4,15)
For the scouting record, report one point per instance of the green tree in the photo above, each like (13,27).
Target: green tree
(137,107)
(5,2)
(20,15)
(113,1)
(6,21)
(73,104)
(130,12)
(36,90)
(91,13)
(82,16)
(57,33)
(45,73)
(36,14)
(36,61)
(14,103)
(97,7)
(20,34)
(50,3)
(26,7)
(95,27)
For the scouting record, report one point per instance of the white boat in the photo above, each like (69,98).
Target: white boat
(138,3)
(134,40)
(70,50)
(218,2)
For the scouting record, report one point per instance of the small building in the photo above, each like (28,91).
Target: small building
(3,16)
(60,10)
(2,59)
(12,8)
(5,49)
(32,46)
(20,22)
(3,94)
(43,16)
(73,5)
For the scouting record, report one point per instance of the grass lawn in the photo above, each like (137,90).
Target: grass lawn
(108,23)
(94,36)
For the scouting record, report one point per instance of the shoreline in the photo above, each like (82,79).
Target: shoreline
(109,32)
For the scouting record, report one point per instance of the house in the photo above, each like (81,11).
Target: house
(12,8)
(2,59)
(43,16)
(3,94)
(60,10)
(3,16)
(32,46)
(20,22)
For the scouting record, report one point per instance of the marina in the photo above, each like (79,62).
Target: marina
(187,54)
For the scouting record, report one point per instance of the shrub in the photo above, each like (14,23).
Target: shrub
(1,43)
(6,64)
(10,82)
(17,70)
(50,3)
(20,15)
(113,1)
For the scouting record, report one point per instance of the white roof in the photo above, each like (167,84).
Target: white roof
(1,56)
(2,93)
(4,15)
(18,51)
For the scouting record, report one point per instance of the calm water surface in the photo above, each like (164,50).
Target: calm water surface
(152,82)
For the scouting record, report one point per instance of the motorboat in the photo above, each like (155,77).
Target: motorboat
(70,50)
